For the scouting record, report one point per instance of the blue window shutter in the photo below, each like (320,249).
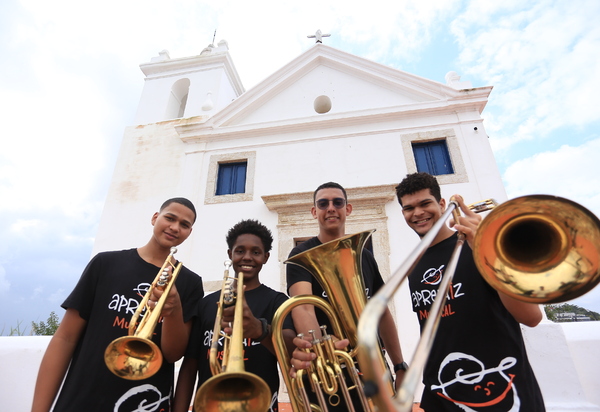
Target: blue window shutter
(433,157)
(231,178)
(421,158)
(239,178)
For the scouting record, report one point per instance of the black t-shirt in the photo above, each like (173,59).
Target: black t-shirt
(106,296)
(294,273)
(264,302)
(478,361)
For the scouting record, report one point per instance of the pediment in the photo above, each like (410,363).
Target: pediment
(355,87)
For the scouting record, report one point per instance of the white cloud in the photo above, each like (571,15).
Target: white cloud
(21,225)
(567,172)
(37,293)
(541,58)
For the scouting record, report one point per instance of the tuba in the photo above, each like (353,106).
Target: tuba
(135,356)
(538,249)
(231,388)
(337,267)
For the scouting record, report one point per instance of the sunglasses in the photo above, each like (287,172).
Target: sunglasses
(338,203)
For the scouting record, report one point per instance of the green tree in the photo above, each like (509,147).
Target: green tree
(554,309)
(46,328)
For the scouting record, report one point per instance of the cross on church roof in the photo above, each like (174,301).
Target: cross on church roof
(318,36)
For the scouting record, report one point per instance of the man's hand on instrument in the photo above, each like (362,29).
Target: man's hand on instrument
(252,326)
(467,222)
(172,304)
(301,358)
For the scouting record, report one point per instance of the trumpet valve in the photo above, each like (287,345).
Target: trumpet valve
(314,340)
(164,278)
(229,292)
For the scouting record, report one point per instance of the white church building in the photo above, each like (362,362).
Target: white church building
(325,116)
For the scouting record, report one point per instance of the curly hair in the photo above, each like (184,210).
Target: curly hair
(415,182)
(251,227)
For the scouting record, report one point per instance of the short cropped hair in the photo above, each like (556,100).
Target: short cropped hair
(182,201)
(250,227)
(415,182)
(330,185)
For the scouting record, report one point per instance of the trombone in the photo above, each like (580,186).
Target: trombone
(135,356)
(231,388)
(538,249)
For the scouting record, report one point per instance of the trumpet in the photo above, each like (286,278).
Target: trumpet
(231,388)
(135,356)
(537,249)
(337,267)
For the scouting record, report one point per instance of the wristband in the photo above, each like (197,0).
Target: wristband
(402,366)
(265,329)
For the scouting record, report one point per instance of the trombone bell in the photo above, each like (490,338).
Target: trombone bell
(539,249)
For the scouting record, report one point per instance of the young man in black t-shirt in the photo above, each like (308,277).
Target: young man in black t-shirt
(99,310)
(478,360)
(330,209)
(249,243)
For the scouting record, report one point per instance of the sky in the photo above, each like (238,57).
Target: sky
(70,83)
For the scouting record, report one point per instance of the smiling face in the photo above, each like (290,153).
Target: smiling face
(172,225)
(248,256)
(421,210)
(331,220)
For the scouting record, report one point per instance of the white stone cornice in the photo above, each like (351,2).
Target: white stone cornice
(189,64)
(205,130)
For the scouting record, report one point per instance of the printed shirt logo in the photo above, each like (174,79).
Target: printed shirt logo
(121,303)
(433,276)
(424,297)
(126,307)
(143,398)
(465,381)
(208,336)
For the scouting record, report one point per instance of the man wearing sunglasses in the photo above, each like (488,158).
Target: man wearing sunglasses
(330,209)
